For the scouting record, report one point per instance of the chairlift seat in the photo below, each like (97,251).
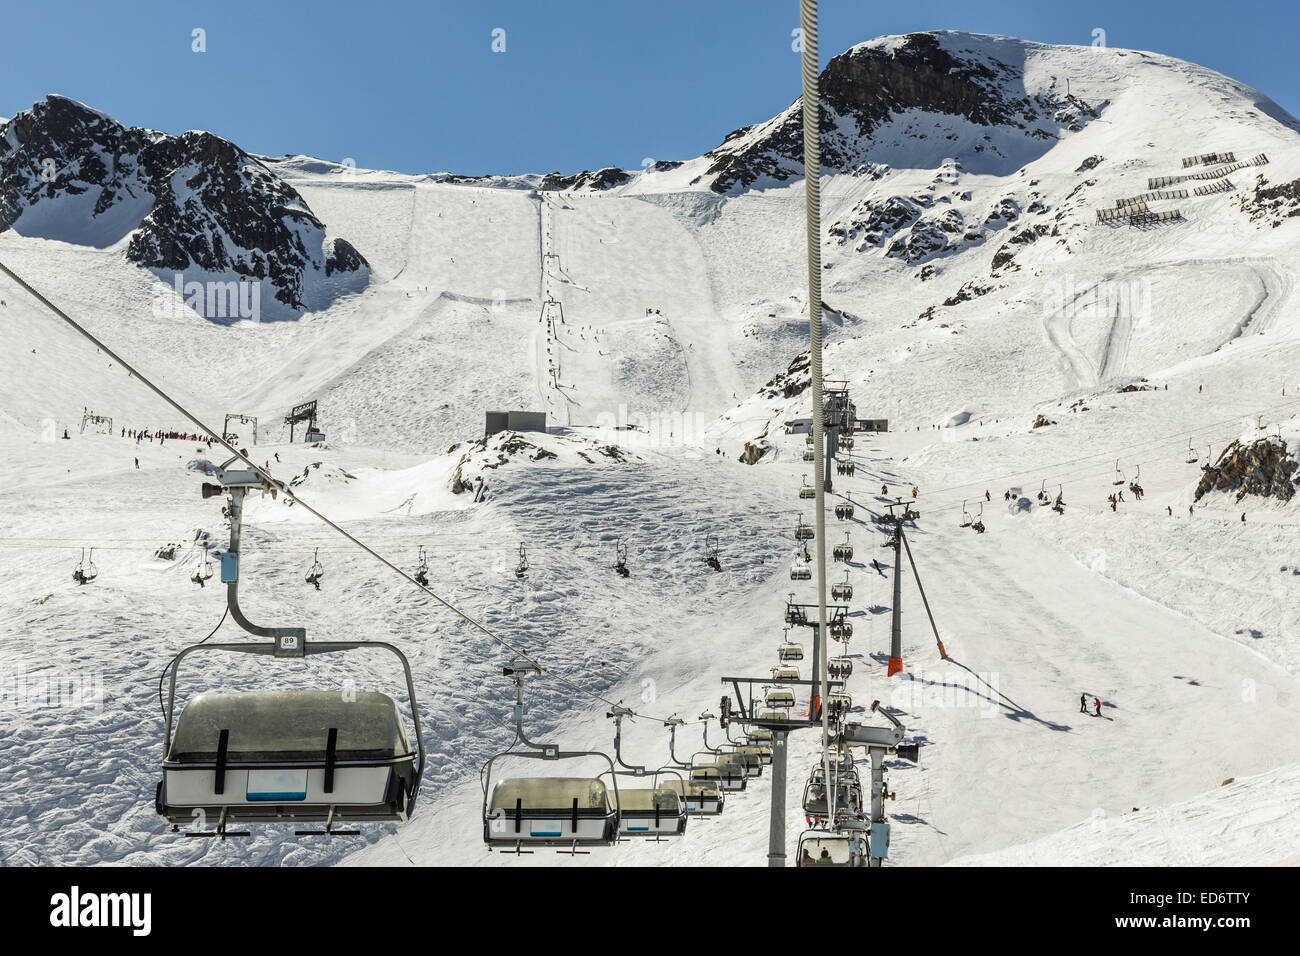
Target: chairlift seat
(288,756)
(806,492)
(790,652)
(550,811)
(644,812)
(820,848)
(779,697)
(697,797)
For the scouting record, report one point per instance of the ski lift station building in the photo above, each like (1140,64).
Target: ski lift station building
(515,422)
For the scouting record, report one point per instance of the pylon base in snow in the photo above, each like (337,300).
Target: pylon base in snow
(942,653)
(895,666)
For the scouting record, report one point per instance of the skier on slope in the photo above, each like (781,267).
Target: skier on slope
(884,489)
(986,495)
(1097,703)
(876,564)
(1083,703)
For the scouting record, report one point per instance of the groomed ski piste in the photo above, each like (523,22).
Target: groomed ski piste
(679,305)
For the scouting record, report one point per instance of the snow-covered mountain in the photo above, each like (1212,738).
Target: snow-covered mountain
(1041,266)
(193,205)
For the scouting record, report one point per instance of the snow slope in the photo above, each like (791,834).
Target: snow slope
(665,303)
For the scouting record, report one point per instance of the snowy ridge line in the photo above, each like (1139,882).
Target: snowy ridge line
(266,477)
(1154,443)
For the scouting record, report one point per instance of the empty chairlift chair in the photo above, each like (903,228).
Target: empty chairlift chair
(550,811)
(809,455)
(728,775)
(807,491)
(803,532)
(789,652)
(778,696)
(697,797)
(651,812)
(288,757)
(785,673)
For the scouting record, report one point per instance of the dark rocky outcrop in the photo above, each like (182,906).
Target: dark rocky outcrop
(1263,468)
(872,84)
(192,204)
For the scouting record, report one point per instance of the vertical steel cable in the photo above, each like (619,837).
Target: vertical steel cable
(812,193)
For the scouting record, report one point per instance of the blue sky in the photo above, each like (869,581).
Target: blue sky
(416,87)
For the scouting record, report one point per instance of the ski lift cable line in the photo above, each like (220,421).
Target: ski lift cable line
(292,495)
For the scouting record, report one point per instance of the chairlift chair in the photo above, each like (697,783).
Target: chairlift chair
(803,532)
(839,668)
(422,570)
(838,704)
(789,651)
(562,812)
(785,673)
(620,553)
(204,572)
(840,630)
(651,812)
(847,441)
(843,591)
(778,696)
(551,811)
(844,468)
(697,797)
(1191,453)
(303,756)
(317,572)
(795,615)
(1119,475)
(809,455)
(848,794)
(843,552)
(799,570)
(966,519)
(726,774)
(807,491)
(85,571)
(822,848)
(307,756)
(522,567)
(711,552)
(978,524)
(844,510)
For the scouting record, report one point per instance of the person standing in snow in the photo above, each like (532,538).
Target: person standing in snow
(137,464)
(1243,516)
(1083,703)
(986,495)
(1171,510)
(1189,510)
(1006,496)
(1097,703)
